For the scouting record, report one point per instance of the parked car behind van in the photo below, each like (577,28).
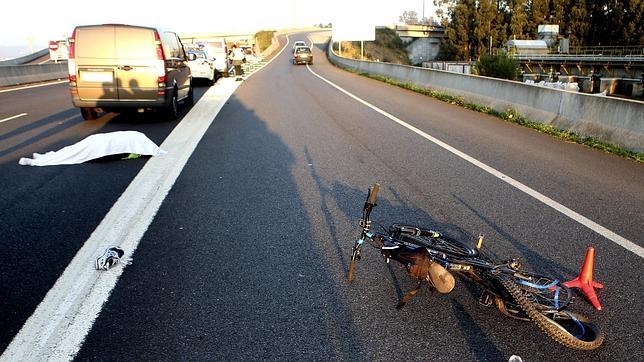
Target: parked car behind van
(119,67)
(203,66)
(217,49)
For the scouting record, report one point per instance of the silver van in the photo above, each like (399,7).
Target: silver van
(118,67)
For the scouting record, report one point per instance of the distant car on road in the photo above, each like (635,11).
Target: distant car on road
(298,43)
(202,66)
(302,55)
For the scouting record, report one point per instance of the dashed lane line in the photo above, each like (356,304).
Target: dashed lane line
(13,117)
(33,86)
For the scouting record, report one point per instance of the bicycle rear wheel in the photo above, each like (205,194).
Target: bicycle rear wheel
(570,329)
(545,292)
(442,244)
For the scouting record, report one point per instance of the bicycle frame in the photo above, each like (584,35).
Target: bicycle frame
(431,257)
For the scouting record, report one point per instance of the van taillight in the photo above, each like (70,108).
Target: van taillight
(161,84)
(71,62)
(72,46)
(159,45)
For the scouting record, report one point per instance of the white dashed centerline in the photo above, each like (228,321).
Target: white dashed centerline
(33,86)
(13,117)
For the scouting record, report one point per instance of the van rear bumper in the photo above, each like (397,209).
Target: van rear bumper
(160,102)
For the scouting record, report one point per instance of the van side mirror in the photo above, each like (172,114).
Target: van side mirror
(192,56)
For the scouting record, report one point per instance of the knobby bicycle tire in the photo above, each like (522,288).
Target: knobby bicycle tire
(559,326)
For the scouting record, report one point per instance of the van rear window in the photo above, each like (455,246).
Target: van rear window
(95,43)
(135,43)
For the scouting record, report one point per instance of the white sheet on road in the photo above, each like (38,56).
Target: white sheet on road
(96,146)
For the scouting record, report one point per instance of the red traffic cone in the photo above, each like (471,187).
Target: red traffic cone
(585,279)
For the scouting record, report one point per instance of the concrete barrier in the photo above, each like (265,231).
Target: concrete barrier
(612,120)
(20,74)
(26,58)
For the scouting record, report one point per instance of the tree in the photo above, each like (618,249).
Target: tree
(484,31)
(630,15)
(519,21)
(539,13)
(578,23)
(409,17)
(459,29)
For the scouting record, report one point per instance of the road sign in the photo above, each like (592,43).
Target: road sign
(353,22)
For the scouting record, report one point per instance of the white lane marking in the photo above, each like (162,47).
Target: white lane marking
(44,61)
(14,117)
(60,323)
(33,86)
(58,327)
(619,240)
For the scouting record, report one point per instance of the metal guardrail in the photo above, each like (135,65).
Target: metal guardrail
(627,50)
(571,58)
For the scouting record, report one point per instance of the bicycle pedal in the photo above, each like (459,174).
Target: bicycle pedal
(486,299)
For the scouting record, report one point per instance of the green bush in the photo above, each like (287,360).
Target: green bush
(264,39)
(497,66)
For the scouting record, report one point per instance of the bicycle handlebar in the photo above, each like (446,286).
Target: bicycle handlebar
(373,195)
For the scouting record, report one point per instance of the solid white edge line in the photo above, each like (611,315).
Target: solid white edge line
(619,240)
(33,86)
(61,321)
(14,117)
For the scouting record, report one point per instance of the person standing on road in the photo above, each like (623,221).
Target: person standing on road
(238,59)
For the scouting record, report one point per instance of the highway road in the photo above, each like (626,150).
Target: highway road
(248,254)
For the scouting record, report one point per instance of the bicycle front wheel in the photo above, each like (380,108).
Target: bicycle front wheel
(570,329)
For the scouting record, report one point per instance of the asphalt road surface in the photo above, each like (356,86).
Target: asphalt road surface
(247,256)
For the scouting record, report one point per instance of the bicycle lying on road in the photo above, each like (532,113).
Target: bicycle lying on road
(430,257)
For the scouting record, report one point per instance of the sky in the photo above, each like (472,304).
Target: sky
(32,23)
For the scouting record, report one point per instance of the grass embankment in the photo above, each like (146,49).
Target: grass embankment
(511,115)
(388,47)
(264,39)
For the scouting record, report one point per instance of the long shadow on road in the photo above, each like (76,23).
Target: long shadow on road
(228,269)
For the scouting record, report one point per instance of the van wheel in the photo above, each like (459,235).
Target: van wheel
(88,113)
(172,111)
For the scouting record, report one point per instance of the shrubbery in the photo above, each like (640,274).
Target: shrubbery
(497,66)
(264,39)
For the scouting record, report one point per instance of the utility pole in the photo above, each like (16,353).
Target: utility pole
(490,44)
(423,18)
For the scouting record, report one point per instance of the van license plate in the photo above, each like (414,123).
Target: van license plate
(96,76)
